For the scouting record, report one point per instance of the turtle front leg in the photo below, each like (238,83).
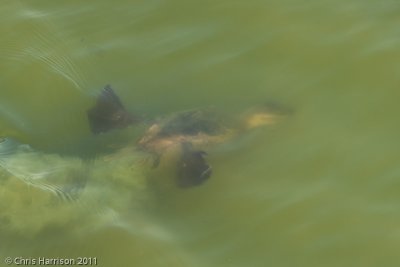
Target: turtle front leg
(192,167)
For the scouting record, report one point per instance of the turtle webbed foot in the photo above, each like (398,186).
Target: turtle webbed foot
(193,169)
(108,113)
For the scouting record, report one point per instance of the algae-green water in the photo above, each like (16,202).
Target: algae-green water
(319,188)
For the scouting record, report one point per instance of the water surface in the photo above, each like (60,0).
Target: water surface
(321,188)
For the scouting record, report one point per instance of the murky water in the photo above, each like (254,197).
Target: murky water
(320,188)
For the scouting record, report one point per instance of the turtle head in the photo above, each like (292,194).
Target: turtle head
(193,169)
(268,114)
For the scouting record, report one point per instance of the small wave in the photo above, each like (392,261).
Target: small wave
(41,42)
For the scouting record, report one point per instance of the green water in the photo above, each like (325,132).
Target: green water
(320,188)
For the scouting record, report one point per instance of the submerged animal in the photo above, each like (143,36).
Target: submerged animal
(112,181)
(190,132)
(112,188)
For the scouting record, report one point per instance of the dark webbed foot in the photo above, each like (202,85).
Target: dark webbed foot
(192,168)
(108,113)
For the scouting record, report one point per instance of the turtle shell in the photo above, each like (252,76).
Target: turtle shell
(191,122)
(199,127)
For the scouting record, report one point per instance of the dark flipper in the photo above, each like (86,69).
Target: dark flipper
(108,113)
(192,168)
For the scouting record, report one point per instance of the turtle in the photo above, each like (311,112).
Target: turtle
(113,180)
(191,132)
